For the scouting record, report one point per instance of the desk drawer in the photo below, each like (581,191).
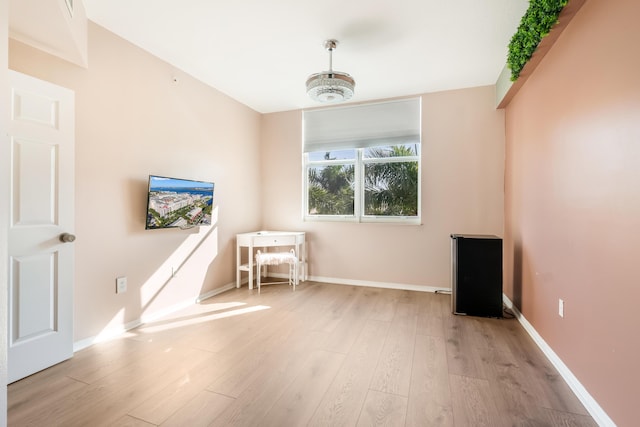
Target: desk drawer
(274,240)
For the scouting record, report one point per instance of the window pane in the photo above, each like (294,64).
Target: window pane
(332,155)
(391,189)
(401,150)
(331,190)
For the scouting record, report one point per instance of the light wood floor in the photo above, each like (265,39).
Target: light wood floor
(323,355)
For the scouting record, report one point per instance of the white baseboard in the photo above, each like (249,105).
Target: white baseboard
(106,335)
(596,411)
(215,292)
(385,285)
(118,331)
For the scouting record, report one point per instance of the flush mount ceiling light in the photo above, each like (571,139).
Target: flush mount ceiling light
(330,86)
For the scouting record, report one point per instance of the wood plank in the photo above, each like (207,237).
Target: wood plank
(225,361)
(105,358)
(385,308)
(331,316)
(278,371)
(233,331)
(299,401)
(473,404)
(249,364)
(429,396)
(351,323)
(567,419)
(26,404)
(393,374)
(199,411)
(464,354)
(541,376)
(159,406)
(113,397)
(383,409)
(430,316)
(342,403)
(128,421)
(513,394)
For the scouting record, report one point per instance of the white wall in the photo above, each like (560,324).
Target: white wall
(462,192)
(132,120)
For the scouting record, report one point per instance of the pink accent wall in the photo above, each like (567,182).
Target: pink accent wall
(572,202)
(462,192)
(133,120)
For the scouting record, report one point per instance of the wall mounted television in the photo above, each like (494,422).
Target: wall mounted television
(181,203)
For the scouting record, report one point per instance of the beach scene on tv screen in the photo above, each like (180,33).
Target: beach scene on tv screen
(178,202)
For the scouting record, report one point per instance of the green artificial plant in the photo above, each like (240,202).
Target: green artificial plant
(536,23)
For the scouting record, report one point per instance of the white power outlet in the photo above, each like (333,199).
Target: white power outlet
(121,285)
(561,307)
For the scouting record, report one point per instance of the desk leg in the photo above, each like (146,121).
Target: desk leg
(251,267)
(301,254)
(238,276)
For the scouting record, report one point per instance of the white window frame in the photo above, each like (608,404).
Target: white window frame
(359,127)
(358,197)
(388,218)
(307,166)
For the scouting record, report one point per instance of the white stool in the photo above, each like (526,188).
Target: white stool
(277,258)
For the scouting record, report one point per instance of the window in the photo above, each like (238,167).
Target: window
(362,163)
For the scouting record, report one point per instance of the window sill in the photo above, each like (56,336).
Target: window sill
(365,220)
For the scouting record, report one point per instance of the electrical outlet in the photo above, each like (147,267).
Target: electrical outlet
(561,307)
(121,285)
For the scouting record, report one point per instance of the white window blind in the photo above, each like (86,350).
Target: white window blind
(360,126)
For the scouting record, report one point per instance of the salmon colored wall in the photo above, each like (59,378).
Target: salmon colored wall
(133,120)
(572,202)
(462,192)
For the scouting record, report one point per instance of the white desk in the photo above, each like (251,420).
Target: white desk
(267,239)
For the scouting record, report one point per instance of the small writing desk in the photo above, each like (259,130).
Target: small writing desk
(267,239)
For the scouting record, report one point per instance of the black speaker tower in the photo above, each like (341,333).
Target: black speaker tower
(476,275)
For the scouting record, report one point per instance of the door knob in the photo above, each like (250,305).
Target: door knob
(67,237)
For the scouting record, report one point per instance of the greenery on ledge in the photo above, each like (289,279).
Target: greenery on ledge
(536,23)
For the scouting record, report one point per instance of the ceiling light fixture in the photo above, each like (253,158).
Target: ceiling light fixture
(330,86)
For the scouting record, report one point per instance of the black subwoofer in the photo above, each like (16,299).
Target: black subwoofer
(476,275)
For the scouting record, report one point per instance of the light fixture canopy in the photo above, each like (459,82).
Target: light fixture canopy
(330,86)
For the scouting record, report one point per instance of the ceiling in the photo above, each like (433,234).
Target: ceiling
(260,52)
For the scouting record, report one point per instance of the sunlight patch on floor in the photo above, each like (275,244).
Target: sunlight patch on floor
(200,319)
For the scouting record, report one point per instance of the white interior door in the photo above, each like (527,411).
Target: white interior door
(41,216)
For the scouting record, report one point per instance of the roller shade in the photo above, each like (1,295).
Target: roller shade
(360,126)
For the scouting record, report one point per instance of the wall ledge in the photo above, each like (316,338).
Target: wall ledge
(508,89)
(594,409)
(53,27)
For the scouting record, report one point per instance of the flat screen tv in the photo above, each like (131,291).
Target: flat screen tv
(182,203)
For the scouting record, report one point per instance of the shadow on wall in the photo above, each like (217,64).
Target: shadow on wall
(185,267)
(137,190)
(177,280)
(517,275)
